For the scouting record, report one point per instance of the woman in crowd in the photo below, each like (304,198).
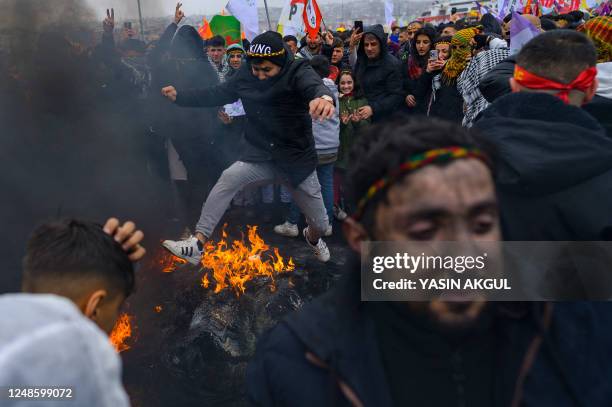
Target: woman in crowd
(438,86)
(421,44)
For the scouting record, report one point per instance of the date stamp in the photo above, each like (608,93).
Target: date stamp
(36,393)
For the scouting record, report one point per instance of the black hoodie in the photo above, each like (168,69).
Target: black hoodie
(380,79)
(554,168)
(280,128)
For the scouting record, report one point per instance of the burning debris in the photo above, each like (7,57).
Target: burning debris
(121,333)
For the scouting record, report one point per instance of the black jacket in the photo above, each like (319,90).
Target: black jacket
(601,109)
(380,79)
(280,127)
(446,103)
(329,352)
(496,83)
(553,169)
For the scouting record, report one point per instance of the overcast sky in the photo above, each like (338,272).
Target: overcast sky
(165,7)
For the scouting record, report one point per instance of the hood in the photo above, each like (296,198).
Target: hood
(543,145)
(604,76)
(187,44)
(378,31)
(490,25)
(234,47)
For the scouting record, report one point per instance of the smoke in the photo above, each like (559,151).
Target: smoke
(128,9)
(73,141)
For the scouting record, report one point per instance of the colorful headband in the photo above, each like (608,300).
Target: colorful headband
(532,81)
(272,54)
(442,42)
(415,162)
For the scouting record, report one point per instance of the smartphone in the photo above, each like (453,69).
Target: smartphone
(358,25)
(433,54)
(127,25)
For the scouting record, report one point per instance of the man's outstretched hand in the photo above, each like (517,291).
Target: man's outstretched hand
(109,22)
(321,109)
(169,92)
(178,13)
(127,236)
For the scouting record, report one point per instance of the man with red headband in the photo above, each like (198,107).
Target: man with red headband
(555,160)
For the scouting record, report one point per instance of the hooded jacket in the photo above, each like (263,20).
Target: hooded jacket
(380,79)
(553,168)
(329,354)
(280,127)
(46,341)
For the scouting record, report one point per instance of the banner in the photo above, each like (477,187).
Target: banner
(228,27)
(312,18)
(389,12)
(291,21)
(246,12)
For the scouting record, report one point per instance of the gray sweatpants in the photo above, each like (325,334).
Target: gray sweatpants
(240,174)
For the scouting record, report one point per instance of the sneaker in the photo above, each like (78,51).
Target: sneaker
(328,231)
(287,229)
(185,249)
(340,214)
(320,250)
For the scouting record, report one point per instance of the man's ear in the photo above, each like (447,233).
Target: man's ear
(92,304)
(355,233)
(589,94)
(514,85)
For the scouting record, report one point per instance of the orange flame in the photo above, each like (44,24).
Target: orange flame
(234,265)
(121,332)
(167,261)
(158,308)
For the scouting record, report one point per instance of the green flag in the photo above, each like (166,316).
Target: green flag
(228,27)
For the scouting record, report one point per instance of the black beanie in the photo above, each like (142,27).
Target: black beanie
(269,46)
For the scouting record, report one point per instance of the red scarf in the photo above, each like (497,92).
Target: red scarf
(529,80)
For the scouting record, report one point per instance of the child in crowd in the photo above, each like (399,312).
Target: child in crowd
(351,123)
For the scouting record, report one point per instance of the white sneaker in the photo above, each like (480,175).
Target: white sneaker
(329,231)
(287,229)
(320,250)
(185,249)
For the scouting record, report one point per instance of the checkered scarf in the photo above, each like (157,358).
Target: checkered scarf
(599,30)
(221,71)
(469,82)
(459,56)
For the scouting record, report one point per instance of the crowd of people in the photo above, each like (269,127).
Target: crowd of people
(426,133)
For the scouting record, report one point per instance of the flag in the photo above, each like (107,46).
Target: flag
(204,30)
(227,27)
(246,12)
(291,21)
(389,12)
(521,31)
(527,9)
(508,6)
(312,18)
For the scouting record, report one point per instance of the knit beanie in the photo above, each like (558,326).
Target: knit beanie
(268,46)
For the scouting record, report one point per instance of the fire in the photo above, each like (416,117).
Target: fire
(232,266)
(167,261)
(158,308)
(121,332)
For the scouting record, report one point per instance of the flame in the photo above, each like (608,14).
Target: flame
(158,308)
(167,261)
(121,332)
(232,266)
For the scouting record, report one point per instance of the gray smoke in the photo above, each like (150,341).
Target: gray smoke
(128,9)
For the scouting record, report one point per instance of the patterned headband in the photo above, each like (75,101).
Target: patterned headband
(415,162)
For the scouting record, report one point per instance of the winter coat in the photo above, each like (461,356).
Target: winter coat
(328,354)
(327,133)
(496,82)
(380,79)
(350,131)
(280,128)
(440,100)
(46,341)
(601,105)
(553,168)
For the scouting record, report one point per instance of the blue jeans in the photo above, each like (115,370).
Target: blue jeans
(325,173)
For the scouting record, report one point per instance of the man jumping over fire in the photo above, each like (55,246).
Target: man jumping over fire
(278,94)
